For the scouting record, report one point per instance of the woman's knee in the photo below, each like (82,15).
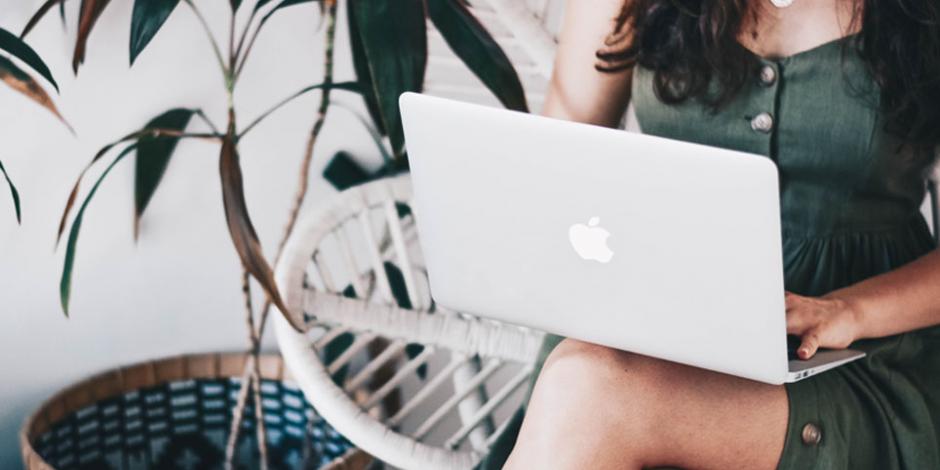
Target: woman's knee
(592,399)
(594,396)
(579,375)
(574,361)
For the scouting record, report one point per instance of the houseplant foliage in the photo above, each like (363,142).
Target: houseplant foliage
(388,41)
(13,48)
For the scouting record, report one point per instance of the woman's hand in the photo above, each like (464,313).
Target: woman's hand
(821,322)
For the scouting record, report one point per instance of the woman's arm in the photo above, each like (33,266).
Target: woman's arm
(902,300)
(578,92)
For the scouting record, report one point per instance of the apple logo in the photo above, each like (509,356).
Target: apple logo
(590,241)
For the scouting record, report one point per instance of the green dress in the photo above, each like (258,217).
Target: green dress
(850,197)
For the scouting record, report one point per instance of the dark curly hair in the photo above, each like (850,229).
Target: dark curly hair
(690,43)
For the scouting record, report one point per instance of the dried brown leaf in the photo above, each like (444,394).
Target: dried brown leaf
(90,11)
(241,229)
(27,85)
(73,195)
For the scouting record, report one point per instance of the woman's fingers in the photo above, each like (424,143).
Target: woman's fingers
(803,321)
(792,300)
(819,322)
(796,323)
(799,320)
(809,346)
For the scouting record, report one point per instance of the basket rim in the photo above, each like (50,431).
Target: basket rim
(123,379)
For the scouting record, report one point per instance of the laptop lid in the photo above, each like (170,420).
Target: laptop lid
(650,245)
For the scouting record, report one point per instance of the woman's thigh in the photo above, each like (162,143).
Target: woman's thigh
(601,408)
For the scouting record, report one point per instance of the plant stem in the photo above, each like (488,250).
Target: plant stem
(251,382)
(206,120)
(252,374)
(241,39)
(348,86)
(194,135)
(231,45)
(252,377)
(237,415)
(255,381)
(245,385)
(302,184)
(215,44)
(259,405)
(251,45)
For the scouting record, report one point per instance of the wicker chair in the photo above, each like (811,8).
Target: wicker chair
(415,385)
(379,302)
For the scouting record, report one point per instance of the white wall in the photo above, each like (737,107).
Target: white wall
(177,289)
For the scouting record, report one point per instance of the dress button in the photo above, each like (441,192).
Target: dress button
(811,434)
(763,122)
(768,75)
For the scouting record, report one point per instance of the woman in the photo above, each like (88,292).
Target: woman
(844,96)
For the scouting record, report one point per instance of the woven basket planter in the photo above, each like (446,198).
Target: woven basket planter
(176,413)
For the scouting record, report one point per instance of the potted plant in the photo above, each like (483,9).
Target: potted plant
(388,41)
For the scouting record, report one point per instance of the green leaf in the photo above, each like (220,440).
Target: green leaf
(235,4)
(19,49)
(394,38)
(147,19)
(65,283)
(343,172)
(153,156)
(41,12)
(333,350)
(468,38)
(14,193)
(284,3)
(347,86)
(73,194)
(371,129)
(363,76)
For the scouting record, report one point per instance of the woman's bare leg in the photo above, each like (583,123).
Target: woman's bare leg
(599,408)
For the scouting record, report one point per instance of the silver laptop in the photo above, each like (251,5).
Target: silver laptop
(650,245)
